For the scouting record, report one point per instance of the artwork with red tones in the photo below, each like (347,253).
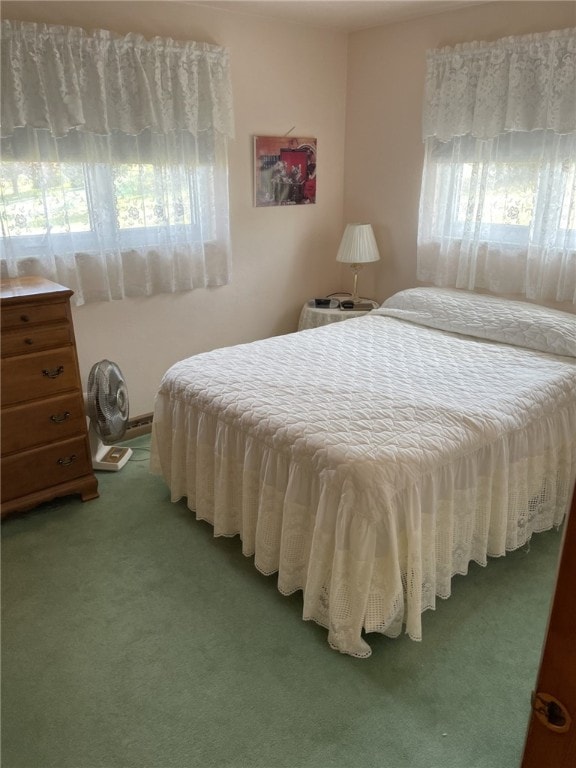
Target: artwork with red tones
(284,170)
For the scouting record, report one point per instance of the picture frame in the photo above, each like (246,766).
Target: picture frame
(284,170)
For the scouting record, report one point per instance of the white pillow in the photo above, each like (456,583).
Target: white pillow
(486,317)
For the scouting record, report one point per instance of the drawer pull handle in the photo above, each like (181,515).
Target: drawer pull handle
(29,341)
(57,418)
(65,462)
(52,373)
(25,318)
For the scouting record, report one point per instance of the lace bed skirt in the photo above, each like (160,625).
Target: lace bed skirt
(365,557)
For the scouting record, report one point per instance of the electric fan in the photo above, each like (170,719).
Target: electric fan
(107,408)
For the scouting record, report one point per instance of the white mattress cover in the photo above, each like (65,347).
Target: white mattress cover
(369,461)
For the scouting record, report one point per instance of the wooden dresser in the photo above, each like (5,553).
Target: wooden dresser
(44,439)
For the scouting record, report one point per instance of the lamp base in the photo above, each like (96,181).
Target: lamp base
(355,268)
(360,304)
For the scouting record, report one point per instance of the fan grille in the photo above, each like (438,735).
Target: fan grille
(107,401)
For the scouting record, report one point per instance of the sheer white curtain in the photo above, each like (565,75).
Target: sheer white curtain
(498,198)
(114,171)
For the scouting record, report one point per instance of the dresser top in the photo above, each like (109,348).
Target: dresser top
(30,287)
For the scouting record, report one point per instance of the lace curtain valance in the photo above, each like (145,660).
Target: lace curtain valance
(514,84)
(63,78)
(114,171)
(498,197)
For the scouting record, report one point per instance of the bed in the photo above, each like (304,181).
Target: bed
(368,462)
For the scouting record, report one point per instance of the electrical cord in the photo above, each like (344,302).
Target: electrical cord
(135,448)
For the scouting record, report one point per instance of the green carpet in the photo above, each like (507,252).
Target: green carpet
(131,638)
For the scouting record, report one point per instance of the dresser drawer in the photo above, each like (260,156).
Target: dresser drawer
(31,471)
(30,314)
(41,374)
(45,421)
(23,341)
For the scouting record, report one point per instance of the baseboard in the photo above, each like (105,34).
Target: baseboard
(139,425)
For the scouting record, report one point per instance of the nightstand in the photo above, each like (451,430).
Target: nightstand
(314,317)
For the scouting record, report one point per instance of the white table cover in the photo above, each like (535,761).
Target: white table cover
(314,317)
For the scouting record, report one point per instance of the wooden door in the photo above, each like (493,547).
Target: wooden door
(551,736)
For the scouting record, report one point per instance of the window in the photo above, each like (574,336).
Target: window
(498,199)
(37,197)
(120,187)
(506,188)
(134,201)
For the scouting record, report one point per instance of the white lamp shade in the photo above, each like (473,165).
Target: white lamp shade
(358,245)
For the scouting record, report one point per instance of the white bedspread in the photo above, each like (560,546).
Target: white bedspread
(369,461)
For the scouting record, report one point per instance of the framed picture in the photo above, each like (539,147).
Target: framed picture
(284,170)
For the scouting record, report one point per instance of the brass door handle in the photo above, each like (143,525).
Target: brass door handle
(551,712)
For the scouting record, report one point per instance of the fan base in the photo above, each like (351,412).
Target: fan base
(112,459)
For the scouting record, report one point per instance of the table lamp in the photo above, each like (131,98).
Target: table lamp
(357,248)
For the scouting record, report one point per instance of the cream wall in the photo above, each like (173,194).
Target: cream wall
(384,151)
(282,76)
(361,96)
